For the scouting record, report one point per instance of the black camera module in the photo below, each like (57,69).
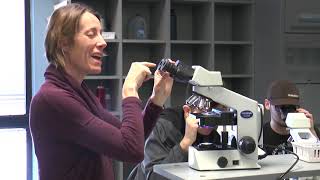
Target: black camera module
(179,71)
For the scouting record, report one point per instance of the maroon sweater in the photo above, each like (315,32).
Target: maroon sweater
(76,139)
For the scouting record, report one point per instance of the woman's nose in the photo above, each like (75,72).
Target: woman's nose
(101,42)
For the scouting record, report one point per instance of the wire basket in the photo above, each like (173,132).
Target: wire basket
(309,152)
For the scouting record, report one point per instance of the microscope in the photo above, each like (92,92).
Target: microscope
(304,143)
(245,114)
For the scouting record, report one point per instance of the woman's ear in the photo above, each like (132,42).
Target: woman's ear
(186,110)
(267,104)
(64,45)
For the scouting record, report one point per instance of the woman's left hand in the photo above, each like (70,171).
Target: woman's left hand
(162,87)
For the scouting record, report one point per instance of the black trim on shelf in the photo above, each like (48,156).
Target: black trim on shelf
(192,42)
(143,41)
(233,2)
(233,42)
(143,1)
(189,1)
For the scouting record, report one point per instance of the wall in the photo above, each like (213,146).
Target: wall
(40,10)
(270,56)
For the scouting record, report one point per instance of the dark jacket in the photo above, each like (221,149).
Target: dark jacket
(275,143)
(163,144)
(76,139)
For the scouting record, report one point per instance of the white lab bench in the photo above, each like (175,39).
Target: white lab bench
(271,168)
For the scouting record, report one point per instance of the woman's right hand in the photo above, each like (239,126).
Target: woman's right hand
(138,73)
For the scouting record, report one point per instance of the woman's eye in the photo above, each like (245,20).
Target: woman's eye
(91,34)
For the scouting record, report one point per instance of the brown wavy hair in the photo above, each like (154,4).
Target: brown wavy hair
(63,24)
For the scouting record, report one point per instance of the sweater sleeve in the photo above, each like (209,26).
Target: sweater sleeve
(162,147)
(150,115)
(67,120)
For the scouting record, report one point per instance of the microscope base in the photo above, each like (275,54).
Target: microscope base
(221,160)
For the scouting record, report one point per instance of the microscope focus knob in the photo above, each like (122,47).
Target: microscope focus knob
(222,162)
(247,145)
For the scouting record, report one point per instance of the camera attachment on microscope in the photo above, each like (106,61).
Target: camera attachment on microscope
(178,70)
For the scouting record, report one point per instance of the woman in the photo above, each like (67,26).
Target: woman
(74,137)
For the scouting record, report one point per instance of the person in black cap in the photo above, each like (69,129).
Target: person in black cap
(282,98)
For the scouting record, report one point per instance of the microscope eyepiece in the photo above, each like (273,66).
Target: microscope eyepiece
(285,109)
(178,70)
(166,66)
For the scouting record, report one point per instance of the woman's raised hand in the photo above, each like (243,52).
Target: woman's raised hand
(138,73)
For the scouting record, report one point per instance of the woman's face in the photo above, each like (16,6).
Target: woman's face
(85,55)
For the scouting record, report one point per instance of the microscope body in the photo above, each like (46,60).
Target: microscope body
(243,152)
(244,155)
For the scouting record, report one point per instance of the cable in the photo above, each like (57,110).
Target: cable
(262,156)
(289,152)
(261,123)
(260,134)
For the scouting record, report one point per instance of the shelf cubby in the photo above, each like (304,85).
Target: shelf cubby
(193,19)
(145,90)
(137,52)
(233,59)
(192,54)
(150,11)
(241,86)
(233,21)
(110,13)
(111,62)
(112,89)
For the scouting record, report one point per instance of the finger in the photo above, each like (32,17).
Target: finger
(157,73)
(302,110)
(171,61)
(148,74)
(162,73)
(165,75)
(148,64)
(196,125)
(186,110)
(308,115)
(147,70)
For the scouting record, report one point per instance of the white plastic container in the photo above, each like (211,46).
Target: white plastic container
(309,152)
